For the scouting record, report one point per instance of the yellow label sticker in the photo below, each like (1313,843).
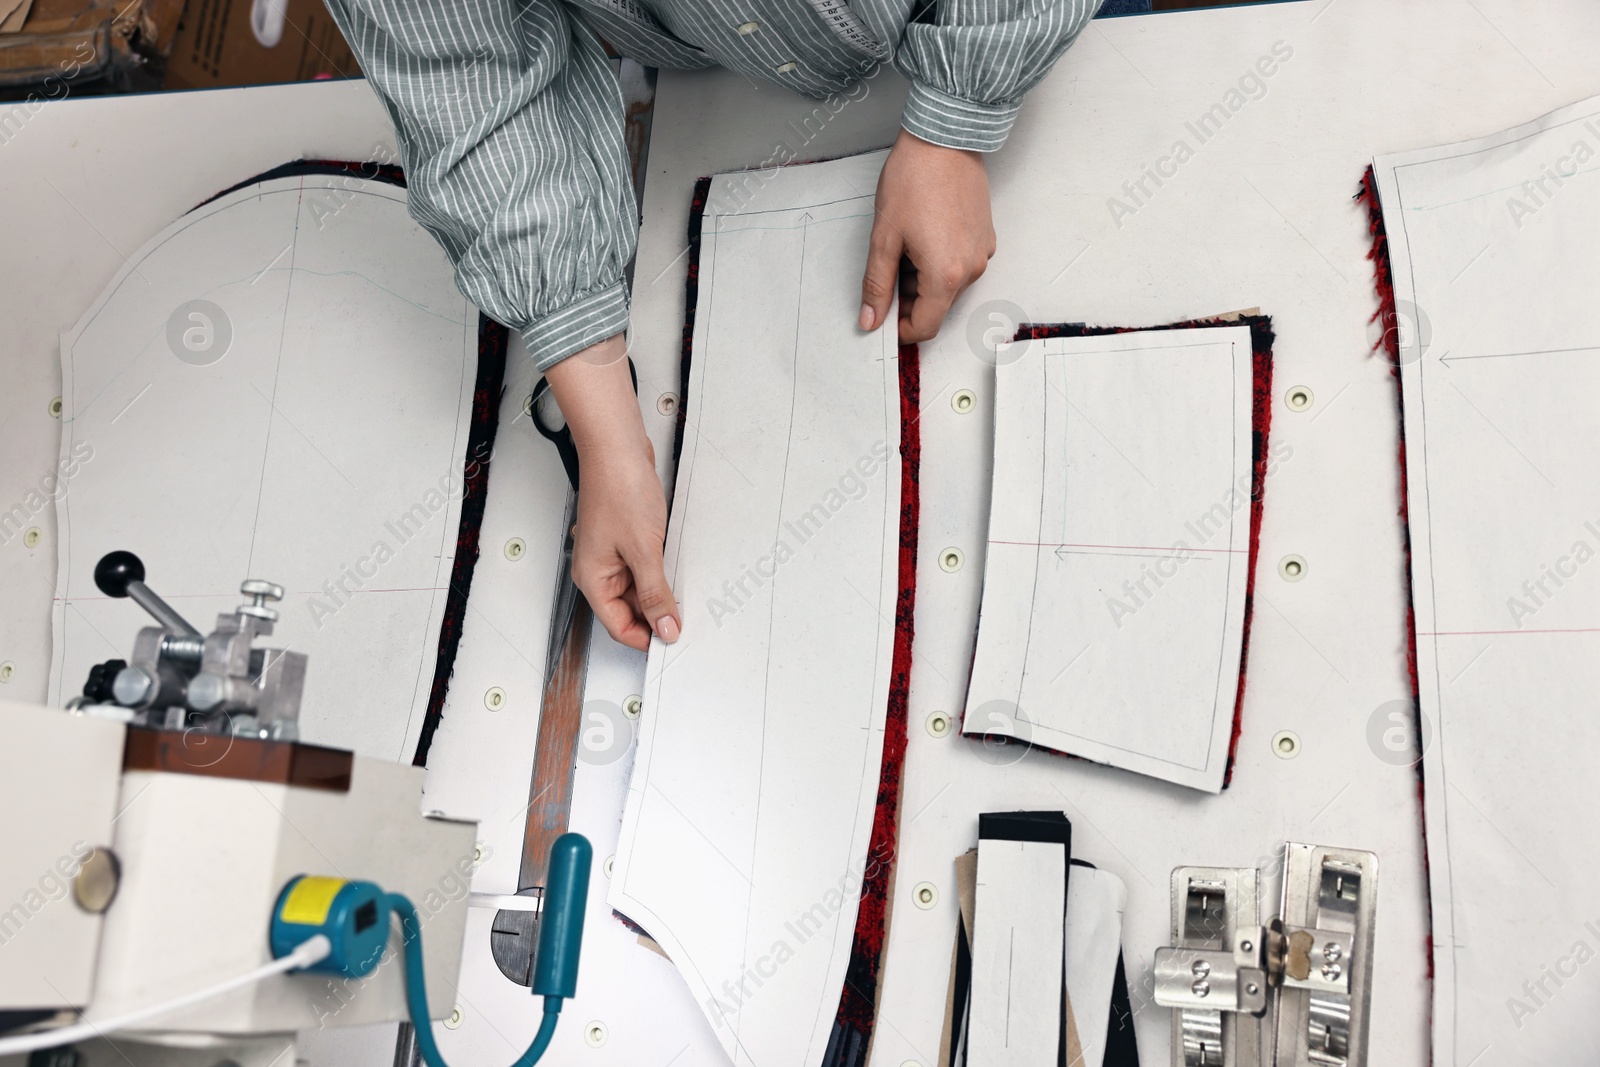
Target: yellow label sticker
(310,899)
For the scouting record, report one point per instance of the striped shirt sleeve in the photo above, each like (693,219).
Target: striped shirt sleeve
(509,123)
(972,62)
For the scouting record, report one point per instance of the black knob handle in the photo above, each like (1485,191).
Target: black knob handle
(115,570)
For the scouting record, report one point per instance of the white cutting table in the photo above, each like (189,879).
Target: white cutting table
(1261,215)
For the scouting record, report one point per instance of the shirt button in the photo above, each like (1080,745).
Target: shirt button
(747,28)
(787,67)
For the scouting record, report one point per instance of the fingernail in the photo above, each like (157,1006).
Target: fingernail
(866,316)
(667,628)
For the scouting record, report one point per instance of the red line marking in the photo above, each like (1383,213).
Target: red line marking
(1494,633)
(1137,548)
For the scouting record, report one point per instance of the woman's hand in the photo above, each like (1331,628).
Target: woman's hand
(932,209)
(622,511)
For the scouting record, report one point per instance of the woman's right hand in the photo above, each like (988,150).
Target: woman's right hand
(622,510)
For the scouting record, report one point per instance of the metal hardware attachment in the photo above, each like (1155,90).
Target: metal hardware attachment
(1311,968)
(178,678)
(1330,900)
(1216,968)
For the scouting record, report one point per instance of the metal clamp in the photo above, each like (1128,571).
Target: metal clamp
(1311,968)
(179,678)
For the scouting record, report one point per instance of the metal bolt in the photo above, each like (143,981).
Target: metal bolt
(132,687)
(206,690)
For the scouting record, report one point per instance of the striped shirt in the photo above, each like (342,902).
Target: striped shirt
(509,119)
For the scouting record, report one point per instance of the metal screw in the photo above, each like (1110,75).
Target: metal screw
(260,591)
(1201,987)
(1331,952)
(1247,945)
(964,401)
(632,706)
(667,403)
(7,671)
(1200,969)
(1252,988)
(1332,971)
(515,548)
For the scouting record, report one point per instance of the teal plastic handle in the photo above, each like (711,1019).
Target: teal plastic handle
(555,965)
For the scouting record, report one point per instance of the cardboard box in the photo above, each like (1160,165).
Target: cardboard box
(217,46)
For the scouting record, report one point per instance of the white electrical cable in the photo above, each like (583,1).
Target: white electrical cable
(309,951)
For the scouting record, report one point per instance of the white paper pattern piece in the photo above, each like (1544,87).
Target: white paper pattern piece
(1019,914)
(1118,555)
(276,386)
(751,801)
(1095,902)
(1493,244)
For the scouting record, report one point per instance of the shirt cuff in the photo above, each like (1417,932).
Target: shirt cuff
(942,119)
(586,321)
